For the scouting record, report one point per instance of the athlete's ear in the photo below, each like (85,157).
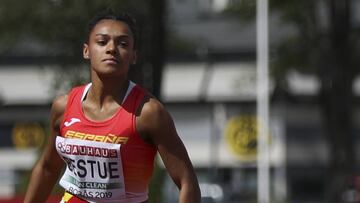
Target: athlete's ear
(86,51)
(134,57)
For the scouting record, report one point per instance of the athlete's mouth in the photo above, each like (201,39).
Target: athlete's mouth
(111,60)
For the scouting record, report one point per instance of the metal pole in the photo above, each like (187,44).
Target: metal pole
(262,101)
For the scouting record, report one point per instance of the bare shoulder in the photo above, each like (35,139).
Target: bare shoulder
(59,103)
(58,107)
(153,119)
(153,111)
(152,107)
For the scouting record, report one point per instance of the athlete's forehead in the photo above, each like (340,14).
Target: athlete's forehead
(112,28)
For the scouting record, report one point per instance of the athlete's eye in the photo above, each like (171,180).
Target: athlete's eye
(101,42)
(123,43)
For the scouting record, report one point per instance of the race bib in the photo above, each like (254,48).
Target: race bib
(94,169)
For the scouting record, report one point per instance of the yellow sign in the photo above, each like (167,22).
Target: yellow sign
(241,136)
(28,135)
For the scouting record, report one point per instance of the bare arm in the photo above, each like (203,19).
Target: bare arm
(156,123)
(47,169)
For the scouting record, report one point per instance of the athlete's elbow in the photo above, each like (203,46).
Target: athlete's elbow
(190,193)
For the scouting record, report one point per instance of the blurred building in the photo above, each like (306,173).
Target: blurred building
(210,89)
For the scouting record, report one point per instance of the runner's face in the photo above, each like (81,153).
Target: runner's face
(110,48)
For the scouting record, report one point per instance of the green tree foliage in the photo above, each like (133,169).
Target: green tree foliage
(244,10)
(59,25)
(55,30)
(300,49)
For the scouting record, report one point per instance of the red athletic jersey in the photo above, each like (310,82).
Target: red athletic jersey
(137,157)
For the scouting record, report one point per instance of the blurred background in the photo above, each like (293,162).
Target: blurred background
(199,58)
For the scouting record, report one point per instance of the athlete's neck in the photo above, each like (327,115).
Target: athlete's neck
(101,93)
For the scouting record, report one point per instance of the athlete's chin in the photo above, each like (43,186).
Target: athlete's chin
(111,73)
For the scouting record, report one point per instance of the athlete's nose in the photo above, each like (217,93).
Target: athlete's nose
(111,47)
